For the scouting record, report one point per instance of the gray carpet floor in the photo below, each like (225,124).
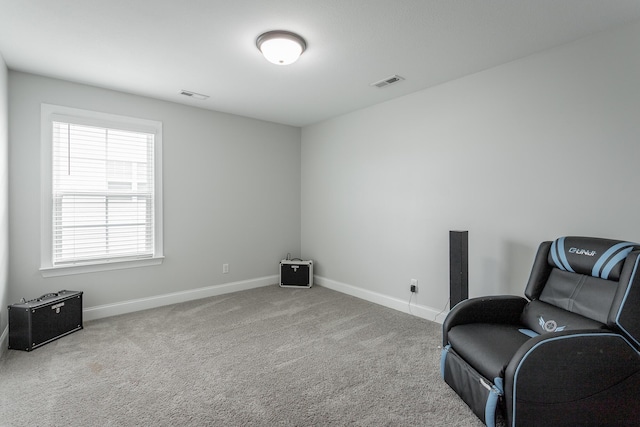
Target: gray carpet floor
(265,357)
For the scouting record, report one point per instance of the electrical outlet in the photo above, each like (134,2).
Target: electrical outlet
(225,268)
(413,285)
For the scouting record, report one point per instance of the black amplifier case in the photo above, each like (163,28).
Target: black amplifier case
(37,322)
(296,273)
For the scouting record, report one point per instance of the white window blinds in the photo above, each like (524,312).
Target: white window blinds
(103,193)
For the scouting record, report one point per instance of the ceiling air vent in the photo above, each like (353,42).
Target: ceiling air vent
(194,95)
(388,81)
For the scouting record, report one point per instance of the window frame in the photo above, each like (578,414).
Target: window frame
(50,113)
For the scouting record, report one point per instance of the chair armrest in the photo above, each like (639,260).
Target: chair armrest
(505,309)
(579,377)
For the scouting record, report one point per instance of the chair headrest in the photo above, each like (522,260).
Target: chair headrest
(592,256)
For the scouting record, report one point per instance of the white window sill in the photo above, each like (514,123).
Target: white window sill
(102,266)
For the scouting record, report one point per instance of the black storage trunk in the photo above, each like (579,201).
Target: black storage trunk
(39,321)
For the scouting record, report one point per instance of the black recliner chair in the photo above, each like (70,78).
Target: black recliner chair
(568,354)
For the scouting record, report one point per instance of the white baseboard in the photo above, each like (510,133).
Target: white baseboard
(123,307)
(4,341)
(418,310)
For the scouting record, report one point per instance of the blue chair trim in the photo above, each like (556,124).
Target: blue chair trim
(528,332)
(602,270)
(624,300)
(559,256)
(495,392)
(443,357)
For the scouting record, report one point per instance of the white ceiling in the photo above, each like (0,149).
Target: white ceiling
(158,47)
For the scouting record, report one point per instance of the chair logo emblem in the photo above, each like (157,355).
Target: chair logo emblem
(550,325)
(586,252)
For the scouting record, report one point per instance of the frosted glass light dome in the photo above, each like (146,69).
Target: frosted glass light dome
(281,47)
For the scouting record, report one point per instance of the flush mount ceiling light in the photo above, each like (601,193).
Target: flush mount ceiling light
(281,47)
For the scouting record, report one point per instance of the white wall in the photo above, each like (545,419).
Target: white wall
(528,151)
(4,198)
(231,195)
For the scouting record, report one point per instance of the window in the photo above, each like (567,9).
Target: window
(101,191)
